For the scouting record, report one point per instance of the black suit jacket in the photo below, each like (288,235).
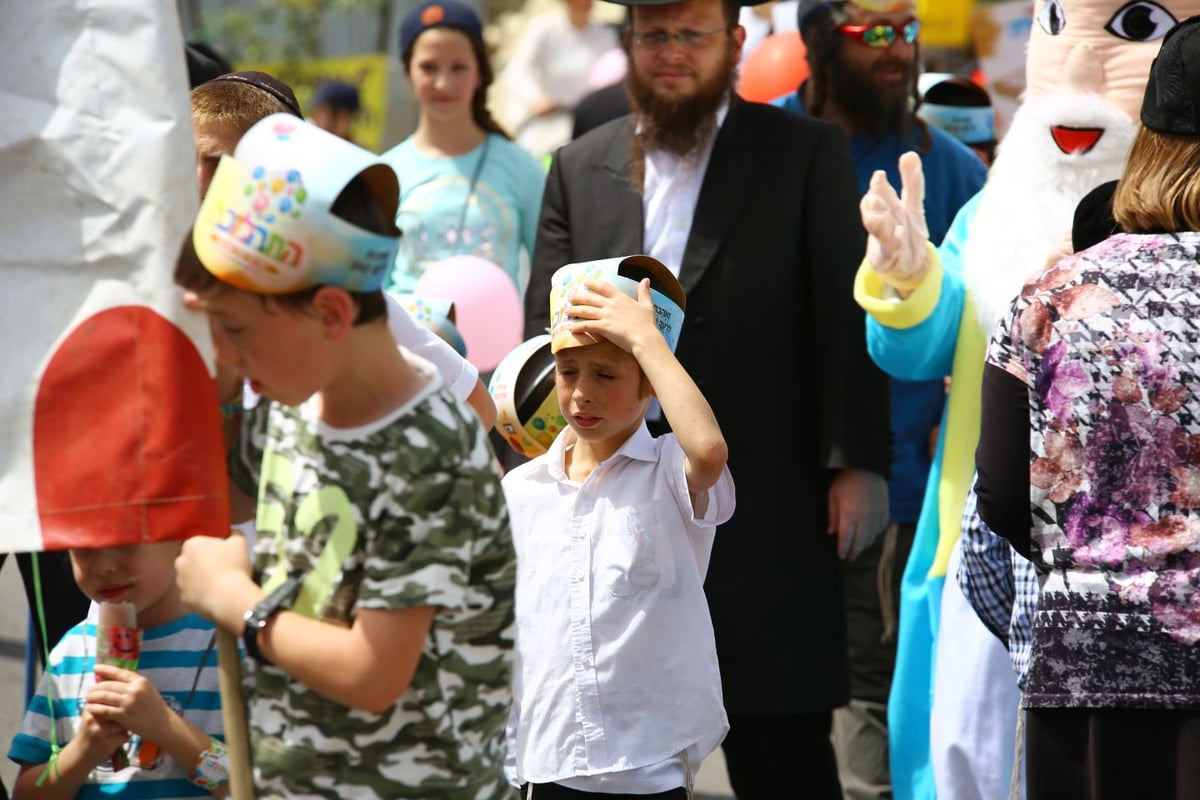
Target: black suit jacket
(599,107)
(775,341)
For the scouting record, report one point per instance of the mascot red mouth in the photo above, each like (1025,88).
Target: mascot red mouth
(1075,140)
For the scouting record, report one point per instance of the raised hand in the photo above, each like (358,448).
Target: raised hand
(895,224)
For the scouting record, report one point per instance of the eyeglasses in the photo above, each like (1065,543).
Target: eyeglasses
(689,40)
(881,35)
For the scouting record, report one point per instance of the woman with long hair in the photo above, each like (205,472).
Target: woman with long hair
(466,189)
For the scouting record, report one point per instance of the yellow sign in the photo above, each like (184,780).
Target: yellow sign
(368,73)
(945,23)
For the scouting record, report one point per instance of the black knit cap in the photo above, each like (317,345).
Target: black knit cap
(1172,101)
(436,14)
(337,94)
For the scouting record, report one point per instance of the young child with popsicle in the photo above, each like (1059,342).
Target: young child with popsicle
(129,702)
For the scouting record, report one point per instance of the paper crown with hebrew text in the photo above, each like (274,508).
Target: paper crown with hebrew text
(522,387)
(266,224)
(624,272)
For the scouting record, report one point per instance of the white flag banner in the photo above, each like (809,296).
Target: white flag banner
(110,432)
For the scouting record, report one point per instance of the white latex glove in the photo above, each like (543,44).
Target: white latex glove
(896,229)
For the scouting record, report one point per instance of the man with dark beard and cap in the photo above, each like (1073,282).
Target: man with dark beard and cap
(755,210)
(863,58)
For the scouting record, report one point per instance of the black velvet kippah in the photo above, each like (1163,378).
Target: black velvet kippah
(269,84)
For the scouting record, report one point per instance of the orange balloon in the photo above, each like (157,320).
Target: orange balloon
(775,67)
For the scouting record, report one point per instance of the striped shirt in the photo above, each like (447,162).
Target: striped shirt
(178,658)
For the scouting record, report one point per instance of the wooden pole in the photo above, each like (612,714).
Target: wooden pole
(233,714)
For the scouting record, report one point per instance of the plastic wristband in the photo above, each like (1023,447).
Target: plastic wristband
(212,767)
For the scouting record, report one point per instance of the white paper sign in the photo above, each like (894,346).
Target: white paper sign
(97,167)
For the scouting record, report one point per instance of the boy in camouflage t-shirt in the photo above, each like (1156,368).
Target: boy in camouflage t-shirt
(381,636)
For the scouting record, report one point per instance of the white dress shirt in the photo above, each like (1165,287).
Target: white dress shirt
(670,194)
(615,674)
(459,375)
(669,198)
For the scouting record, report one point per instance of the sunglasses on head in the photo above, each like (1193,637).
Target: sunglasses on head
(881,35)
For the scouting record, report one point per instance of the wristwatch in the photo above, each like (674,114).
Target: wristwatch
(256,618)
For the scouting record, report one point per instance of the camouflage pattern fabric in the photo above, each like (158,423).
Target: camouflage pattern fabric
(402,513)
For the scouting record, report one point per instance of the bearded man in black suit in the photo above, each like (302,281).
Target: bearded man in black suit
(756,210)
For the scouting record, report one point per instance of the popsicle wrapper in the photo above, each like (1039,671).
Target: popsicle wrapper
(118,638)
(118,644)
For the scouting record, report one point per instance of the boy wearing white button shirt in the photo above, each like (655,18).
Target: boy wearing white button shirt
(616,686)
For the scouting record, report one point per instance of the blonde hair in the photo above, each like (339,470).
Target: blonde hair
(232,103)
(1159,190)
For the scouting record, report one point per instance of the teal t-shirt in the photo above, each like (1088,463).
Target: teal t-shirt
(441,215)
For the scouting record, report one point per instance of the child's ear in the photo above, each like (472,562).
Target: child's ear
(336,310)
(644,387)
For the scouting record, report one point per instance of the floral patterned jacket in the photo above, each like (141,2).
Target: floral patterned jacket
(1108,343)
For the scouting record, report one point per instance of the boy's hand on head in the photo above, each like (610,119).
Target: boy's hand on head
(606,311)
(130,701)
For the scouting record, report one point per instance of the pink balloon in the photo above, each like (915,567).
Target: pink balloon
(487,307)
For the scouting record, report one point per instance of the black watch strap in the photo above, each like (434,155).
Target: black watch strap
(256,618)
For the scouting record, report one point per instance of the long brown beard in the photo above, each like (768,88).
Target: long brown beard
(675,124)
(869,110)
